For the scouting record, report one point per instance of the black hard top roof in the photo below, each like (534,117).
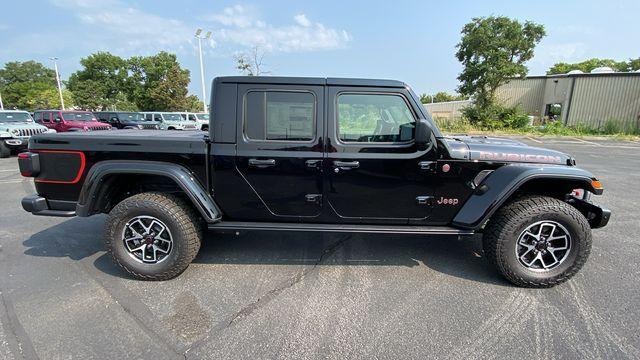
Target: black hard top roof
(290,80)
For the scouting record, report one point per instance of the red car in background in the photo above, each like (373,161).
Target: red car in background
(62,121)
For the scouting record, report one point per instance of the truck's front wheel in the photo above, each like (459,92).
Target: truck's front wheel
(153,236)
(537,241)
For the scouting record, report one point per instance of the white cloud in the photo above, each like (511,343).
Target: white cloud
(128,28)
(548,54)
(237,15)
(302,20)
(239,25)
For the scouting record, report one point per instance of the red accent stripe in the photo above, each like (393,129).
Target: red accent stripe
(83,163)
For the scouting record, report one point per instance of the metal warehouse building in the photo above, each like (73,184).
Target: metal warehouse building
(590,99)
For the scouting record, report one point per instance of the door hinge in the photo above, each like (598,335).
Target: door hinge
(313,198)
(424,200)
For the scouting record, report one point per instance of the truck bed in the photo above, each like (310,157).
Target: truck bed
(148,141)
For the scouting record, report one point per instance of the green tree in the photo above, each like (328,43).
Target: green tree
(27,71)
(441,97)
(634,64)
(493,50)
(590,64)
(100,82)
(29,85)
(158,83)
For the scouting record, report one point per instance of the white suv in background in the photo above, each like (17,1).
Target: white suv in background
(202,119)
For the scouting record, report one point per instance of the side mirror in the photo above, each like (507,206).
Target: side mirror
(424,133)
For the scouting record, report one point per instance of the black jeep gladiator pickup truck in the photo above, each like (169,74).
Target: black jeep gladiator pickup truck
(317,154)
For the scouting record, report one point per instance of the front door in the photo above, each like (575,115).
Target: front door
(373,170)
(279,148)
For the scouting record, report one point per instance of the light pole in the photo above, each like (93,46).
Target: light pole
(1,104)
(55,66)
(204,92)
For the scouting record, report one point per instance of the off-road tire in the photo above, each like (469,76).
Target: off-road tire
(502,232)
(182,220)
(5,152)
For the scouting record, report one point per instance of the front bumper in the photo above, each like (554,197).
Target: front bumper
(37,205)
(596,216)
(16,143)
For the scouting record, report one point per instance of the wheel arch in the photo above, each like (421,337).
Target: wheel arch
(510,181)
(108,182)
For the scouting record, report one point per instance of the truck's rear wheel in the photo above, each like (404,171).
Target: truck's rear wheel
(153,236)
(537,241)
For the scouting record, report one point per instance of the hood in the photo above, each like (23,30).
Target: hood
(493,149)
(8,126)
(89,124)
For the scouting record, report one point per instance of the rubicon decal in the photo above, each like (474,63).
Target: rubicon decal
(534,158)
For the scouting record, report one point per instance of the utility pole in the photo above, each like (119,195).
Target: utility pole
(204,92)
(1,104)
(55,65)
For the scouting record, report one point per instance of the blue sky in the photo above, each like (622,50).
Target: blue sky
(413,41)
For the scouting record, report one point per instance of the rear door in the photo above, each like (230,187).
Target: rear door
(374,172)
(279,147)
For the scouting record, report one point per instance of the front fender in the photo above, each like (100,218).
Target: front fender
(504,181)
(179,174)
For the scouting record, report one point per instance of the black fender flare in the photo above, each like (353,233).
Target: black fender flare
(497,187)
(200,198)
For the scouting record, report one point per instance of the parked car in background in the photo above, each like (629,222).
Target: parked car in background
(201,119)
(16,127)
(63,121)
(170,121)
(126,120)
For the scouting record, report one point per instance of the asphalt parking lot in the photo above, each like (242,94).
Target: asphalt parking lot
(309,295)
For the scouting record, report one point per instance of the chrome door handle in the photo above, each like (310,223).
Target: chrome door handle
(261,164)
(345,165)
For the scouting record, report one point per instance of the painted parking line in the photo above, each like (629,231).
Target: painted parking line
(7,170)
(588,142)
(11,181)
(535,140)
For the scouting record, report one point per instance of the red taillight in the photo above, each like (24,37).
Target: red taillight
(29,164)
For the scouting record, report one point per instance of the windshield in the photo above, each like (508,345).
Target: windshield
(14,117)
(77,116)
(203,116)
(130,117)
(172,117)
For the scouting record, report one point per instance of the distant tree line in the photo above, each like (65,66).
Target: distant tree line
(590,64)
(104,82)
(441,96)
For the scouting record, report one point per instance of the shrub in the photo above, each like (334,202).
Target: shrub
(494,117)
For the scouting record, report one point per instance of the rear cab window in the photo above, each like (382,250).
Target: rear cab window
(278,115)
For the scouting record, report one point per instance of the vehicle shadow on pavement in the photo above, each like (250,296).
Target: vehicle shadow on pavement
(81,238)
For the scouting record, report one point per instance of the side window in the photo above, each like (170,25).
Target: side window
(192,117)
(148,117)
(157,117)
(279,116)
(378,118)
(38,117)
(112,117)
